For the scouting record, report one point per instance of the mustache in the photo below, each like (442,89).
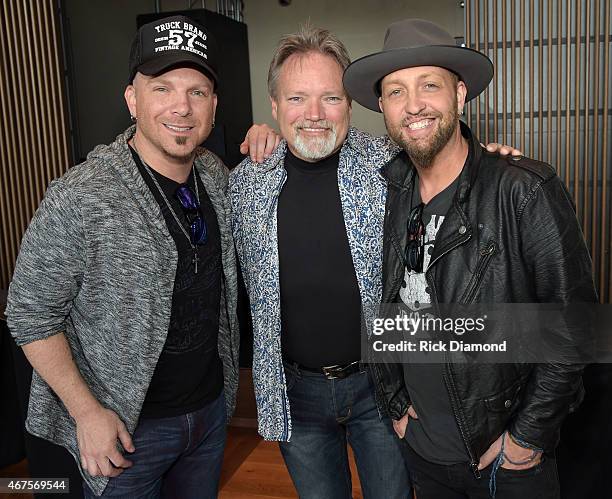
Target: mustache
(322,124)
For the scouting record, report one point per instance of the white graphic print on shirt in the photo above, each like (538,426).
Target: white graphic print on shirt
(415,294)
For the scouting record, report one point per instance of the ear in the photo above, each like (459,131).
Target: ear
(274,108)
(214,106)
(380,105)
(461,94)
(130,99)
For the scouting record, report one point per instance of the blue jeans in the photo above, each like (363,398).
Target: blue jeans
(175,457)
(325,414)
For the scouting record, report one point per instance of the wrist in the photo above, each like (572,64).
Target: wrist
(521,455)
(85,409)
(521,443)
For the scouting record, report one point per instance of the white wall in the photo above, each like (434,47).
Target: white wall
(360,24)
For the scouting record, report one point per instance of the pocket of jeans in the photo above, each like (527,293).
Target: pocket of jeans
(290,379)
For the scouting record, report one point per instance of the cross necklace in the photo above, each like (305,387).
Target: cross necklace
(194,248)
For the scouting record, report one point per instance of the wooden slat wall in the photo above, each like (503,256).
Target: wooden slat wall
(550,97)
(34,130)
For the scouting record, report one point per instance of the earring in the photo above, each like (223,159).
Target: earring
(212,124)
(133,118)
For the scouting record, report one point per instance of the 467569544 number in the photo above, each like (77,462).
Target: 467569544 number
(34,485)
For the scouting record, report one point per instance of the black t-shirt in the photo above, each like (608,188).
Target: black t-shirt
(320,300)
(435,435)
(188,373)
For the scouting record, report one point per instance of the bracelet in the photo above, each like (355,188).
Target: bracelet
(521,443)
(528,460)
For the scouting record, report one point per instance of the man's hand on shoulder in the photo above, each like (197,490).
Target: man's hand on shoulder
(259,142)
(503,150)
(97,434)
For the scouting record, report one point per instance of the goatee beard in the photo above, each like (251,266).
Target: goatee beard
(181,141)
(424,155)
(315,148)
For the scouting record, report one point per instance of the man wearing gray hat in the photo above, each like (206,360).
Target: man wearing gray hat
(124,292)
(464,226)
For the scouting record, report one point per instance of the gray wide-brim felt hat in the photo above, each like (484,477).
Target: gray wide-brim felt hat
(410,43)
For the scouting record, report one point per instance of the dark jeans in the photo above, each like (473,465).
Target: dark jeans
(325,415)
(178,457)
(435,481)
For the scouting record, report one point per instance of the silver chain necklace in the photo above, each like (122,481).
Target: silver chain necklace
(196,259)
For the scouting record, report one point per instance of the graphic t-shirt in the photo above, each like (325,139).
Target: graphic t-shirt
(189,372)
(435,435)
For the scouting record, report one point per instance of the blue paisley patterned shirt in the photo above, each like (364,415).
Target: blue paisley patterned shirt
(254,191)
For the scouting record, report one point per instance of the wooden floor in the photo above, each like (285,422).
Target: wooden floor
(258,471)
(252,469)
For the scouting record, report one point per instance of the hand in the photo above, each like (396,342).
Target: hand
(502,149)
(514,452)
(97,434)
(259,142)
(401,425)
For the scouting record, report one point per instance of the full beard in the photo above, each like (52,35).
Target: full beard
(423,152)
(315,148)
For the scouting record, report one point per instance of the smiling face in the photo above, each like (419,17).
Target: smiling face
(174,113)
(421,107)
(310,105)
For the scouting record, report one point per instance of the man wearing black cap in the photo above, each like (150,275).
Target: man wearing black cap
(124,293)
(464,226)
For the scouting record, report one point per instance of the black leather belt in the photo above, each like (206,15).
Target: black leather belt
(330,372)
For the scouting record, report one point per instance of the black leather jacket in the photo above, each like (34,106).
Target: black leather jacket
(510,236)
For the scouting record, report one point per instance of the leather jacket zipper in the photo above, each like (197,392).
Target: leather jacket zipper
(461,423)
(449,249)
(453,397)
(450,386)
(486,256)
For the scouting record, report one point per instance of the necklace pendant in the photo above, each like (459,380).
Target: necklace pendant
(195,260)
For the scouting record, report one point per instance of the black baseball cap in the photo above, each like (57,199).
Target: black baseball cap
(172,41)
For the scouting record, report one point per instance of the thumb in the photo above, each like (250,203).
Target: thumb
(244,147)
(486,459)
(400,430)
(125,438)
(412,413)
(489,456)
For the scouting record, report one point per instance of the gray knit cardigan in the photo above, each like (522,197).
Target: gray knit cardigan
(98,263)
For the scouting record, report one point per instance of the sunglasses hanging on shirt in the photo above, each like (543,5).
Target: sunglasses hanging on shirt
(193,213)
(415,247)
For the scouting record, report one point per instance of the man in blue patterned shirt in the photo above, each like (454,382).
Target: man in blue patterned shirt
(308,225)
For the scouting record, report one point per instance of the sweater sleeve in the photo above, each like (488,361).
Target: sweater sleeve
(49,269)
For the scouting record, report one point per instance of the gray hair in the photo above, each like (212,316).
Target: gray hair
(307,39)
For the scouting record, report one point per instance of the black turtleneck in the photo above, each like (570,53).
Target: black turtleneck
(320,300)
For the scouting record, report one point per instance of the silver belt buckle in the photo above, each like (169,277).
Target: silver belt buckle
(327,370)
